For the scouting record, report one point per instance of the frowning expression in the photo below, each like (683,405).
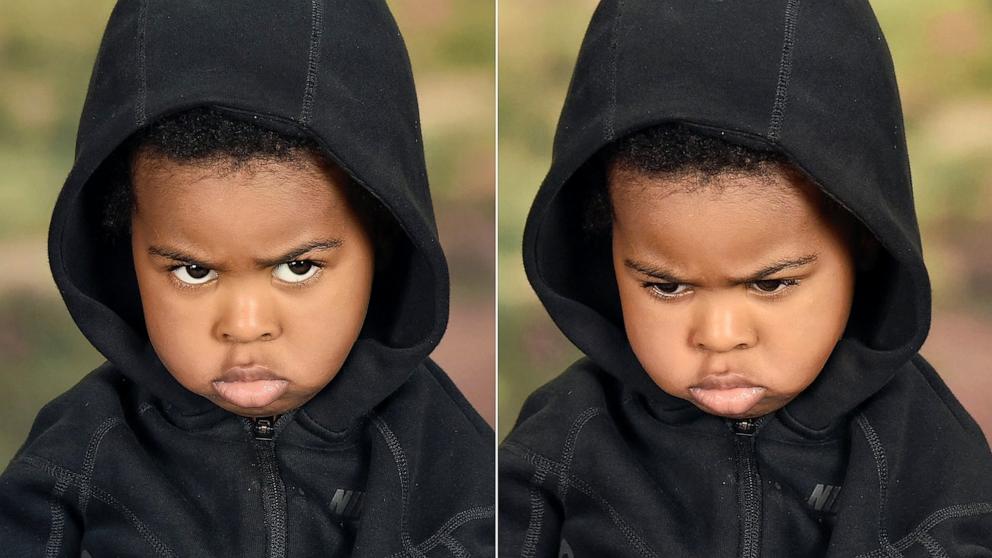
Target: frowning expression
(254,280)
(734,288)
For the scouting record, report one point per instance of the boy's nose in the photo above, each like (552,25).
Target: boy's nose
(721,326)
(248,317)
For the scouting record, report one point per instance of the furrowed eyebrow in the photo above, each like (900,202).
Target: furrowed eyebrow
(668,276)
(179,255)
(652,271)
(782,265)
(326,244)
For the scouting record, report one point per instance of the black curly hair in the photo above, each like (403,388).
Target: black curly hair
(675,150)
(205,136)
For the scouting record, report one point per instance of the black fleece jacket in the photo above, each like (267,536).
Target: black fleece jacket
(876,457)
(389,459)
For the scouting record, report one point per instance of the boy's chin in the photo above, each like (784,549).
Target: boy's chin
(278,407)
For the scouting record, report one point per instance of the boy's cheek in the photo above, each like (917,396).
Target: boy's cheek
(657,341)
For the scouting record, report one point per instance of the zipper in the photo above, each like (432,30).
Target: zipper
(748,487)
(262,427)
(273,490)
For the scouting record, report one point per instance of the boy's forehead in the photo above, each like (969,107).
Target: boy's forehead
(258,208)
(197,184)
(715,196)
(738,225)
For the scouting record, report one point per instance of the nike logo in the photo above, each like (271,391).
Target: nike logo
(347,503)
(823,498)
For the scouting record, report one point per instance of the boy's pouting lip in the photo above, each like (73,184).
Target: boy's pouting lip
(734,287)
(254,280)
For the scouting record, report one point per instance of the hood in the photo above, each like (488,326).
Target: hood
(811,80)
(335,71)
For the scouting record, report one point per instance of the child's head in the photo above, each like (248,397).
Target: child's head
(253,256)
(735,273)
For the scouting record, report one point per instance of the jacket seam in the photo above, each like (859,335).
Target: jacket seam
(89,460)
(53,546)
(555,467)
(313,59)
(882,470)
(72,478)
(402,469)
(920,534)
(614,56)
(535,522)
(568,448)
(140,116)
(444,535)
(784,70)
(456,548)
(933,548)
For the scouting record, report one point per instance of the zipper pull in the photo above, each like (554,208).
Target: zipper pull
(745,427)
(262,427)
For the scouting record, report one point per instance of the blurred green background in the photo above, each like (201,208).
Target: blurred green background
(46,54)
(943,58)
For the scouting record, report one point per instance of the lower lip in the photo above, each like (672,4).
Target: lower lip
(251,395)
(732,402)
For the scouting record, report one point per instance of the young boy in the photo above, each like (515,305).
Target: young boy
(247,236)
(727,232)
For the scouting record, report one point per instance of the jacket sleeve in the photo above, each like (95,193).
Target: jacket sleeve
(36,518)
(530,517)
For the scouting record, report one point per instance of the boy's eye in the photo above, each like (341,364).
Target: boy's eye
(193,274)
(668,290)
(772,286)
(295,271)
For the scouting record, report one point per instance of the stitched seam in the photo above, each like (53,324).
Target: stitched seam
(931,521)
(610,124)
(932,547)
(313,59)
(139,109)
(55,533)
(784,70)
(556,468)
(456,548)
(536,520)
(89,460)
(938,517)
(456,521)
(882,468)
(568,450)
(402,469)
(73,479)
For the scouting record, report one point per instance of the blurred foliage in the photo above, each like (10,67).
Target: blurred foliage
(943,59)
(46,55)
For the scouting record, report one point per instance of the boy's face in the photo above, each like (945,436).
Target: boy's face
(733,294)
(254,283)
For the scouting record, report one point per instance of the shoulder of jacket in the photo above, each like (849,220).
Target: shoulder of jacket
(558,410)
(65,429)
(429,392)
(934,385)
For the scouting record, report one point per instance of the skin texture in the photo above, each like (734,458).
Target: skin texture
(224,217)
(686,252)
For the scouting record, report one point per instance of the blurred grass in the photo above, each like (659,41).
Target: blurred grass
(943,58)
(46,55)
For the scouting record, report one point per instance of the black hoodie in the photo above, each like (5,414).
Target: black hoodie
(389,459)
(876,457)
